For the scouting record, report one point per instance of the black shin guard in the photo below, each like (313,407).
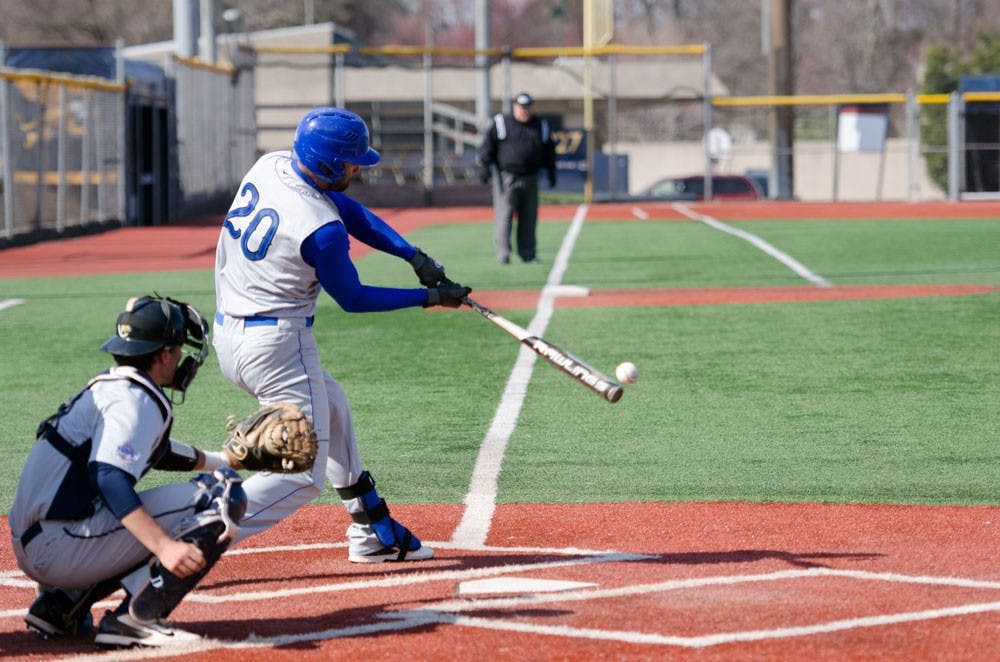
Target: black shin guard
(165,590)
(211,529)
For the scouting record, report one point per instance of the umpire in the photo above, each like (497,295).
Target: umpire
(514,149)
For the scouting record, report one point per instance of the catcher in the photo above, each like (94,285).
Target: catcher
(80,527)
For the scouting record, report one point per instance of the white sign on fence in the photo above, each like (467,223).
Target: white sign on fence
(862,128)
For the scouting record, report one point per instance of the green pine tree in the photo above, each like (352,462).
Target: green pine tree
(945,66)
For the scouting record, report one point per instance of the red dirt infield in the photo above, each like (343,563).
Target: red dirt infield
(636,581)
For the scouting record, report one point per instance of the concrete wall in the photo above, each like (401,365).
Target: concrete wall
(858,174)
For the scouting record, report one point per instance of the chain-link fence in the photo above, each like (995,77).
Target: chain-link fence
(76,151)
(628,118)
(62,152)
(82,151)
(864,147)
(609,108)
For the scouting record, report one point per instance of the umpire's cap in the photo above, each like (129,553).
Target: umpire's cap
(524,99)
(146,325)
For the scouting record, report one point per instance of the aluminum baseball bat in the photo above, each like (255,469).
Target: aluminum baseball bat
(588,376)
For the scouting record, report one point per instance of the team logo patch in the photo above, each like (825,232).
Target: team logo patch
(127,453)
(124,330)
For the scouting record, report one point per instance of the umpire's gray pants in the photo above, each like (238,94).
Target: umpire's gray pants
(515,195)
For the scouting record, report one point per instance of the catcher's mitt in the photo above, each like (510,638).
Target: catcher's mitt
(277,437)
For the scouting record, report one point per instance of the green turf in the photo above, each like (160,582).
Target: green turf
(890,252)
(890,401)
(874,401)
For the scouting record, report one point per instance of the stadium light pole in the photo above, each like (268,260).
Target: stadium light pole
(483,93)
(598,26)
(184,28)
(428,169)
(782,84)
(207,38)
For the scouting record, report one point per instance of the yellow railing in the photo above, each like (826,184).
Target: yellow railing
(73,178)
(529,52)
(198,63)
(85,82)
(835,99)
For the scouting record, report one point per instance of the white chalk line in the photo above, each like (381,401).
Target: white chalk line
(10,303)
(390,581)
(480,500)
(756,241)
(704,640)
(453,612)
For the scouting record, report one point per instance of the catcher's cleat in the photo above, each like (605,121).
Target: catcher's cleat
(51,614)
(392,554)
(122,631)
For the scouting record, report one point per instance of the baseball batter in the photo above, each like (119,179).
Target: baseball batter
(285,238)
(79,527)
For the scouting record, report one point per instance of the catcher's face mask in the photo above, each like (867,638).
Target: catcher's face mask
(151,323)
(194,348)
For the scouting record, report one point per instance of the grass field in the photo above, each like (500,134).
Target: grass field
(883,400)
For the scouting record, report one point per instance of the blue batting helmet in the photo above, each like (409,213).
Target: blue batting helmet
(328,137)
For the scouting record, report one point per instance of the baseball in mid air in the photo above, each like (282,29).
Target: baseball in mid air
(627,373)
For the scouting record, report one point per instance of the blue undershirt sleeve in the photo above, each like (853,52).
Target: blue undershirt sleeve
(116,487)
(368,228)
(326,250)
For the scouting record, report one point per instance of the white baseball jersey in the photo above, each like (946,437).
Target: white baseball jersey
(265,298)
(260,275)
(259,270)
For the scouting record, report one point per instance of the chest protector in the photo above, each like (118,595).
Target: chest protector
(74,500)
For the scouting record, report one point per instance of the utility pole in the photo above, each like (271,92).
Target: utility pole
(782,84)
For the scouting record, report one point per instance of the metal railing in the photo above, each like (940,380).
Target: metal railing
(911,152)
(666,134)
(443,97)
(64,159)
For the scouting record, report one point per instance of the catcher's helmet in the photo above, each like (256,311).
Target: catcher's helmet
(328,137)
(150,323)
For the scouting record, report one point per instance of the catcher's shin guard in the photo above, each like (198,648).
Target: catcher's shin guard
(220,506)
(375,513)
(222,490)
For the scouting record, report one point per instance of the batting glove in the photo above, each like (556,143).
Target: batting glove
(448,294)
(428,270)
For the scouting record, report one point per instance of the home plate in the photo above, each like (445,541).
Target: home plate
(519,585)
(567,291)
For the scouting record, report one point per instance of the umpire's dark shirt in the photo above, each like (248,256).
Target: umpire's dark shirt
(523,151)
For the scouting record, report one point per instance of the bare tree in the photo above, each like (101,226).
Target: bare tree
(840,47)
(83,23)
(371,21)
